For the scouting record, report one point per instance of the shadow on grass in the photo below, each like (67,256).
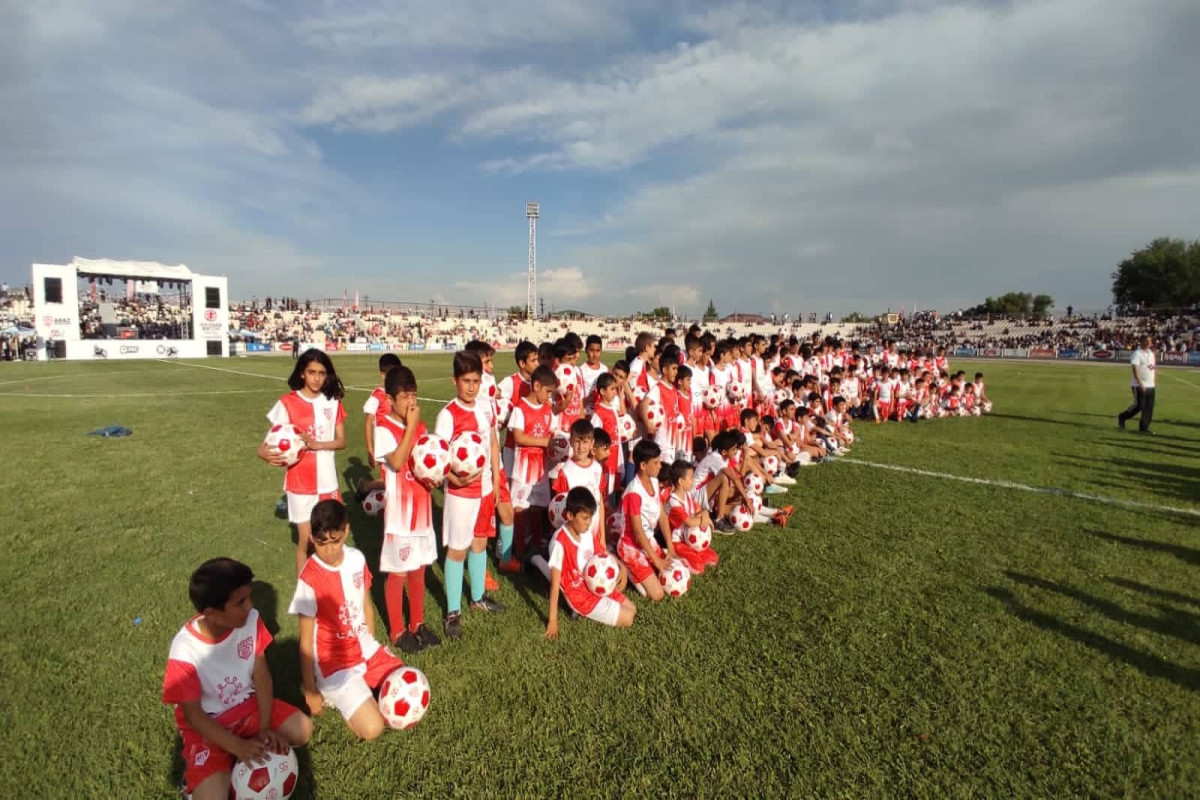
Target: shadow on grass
(1189,555)
(1161,594)
(1145,663)
(1048,420)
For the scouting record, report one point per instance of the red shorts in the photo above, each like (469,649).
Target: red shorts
(505,494)
(635,560)
(485,523)
(696,560)
(885,410)
(203,760)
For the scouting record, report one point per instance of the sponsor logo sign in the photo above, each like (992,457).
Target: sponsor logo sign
(210,315)
(1041,352)
(1193,358)
(1102,355)
(964,351)
(991,352)
(129,349)
(1068,352)
(416,345)
(1174,358)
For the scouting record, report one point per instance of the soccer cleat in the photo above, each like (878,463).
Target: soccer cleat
(785,480)
(453,625)
(489,583)
(725,527)
(512,566)
(426,637)
(1120,422)
(774,488)
(486,603)
(281,506)
(793,469)
(409,643)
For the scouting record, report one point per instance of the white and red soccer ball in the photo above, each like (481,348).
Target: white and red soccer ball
(372,504)
(559,449)
(676,578)
(430,459)
(468,454)
(712,396)
(697,537)
(770,465)
(742,518)
(567,377)
(558,511)
(614,524)
(404,697)
(626,427)
(737,391)
(601,574)
(754,483)
(285,440)
(655,415)
(504,408)
(273,779)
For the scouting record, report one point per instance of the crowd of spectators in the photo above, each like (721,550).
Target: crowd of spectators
(144,317)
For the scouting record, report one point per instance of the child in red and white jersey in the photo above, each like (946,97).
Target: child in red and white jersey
(985,404)
(684,423)
(489,389)
(605,413)
(409,541)
(884,397)
(514,387)
(571,547)
(570,397)
(720,481)
(641,507)
(219,682)
(602,447)
(687,507)
(375,407)
(593,369)
(340,661)
(664,394)
(469,510)
(639,378)
(315,407)
(722,375)
(532,425)
(582,470)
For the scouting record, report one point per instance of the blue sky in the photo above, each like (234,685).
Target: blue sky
(785,157)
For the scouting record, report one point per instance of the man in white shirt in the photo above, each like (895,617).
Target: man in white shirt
(1141,364)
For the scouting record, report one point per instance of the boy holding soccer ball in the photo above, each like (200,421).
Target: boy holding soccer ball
(219,682)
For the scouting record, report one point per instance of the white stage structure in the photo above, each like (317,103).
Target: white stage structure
(57,314)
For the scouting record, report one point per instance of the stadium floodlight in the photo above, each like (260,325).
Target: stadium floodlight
(532,212)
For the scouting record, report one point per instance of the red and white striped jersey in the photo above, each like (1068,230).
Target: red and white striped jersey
(679,511)
(512,388)
(316,471)
(408,509)
(606,417)
(456,418)
(334,597)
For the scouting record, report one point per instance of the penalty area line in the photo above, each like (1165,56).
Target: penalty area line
(1021,487)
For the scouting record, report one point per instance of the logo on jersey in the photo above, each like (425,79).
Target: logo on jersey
(230,690)
(201,758)
(329,413)
(246,647)
(405,552)
(358,580)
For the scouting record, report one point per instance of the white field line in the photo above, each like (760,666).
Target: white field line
(1181,380)
(367,389)
(82,375)
(1021,487)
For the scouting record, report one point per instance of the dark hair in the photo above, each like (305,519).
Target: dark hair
(670,355)
(466,362)
(332,388)
(524,350)
(621,365)
(480,347)
(399,379)
(581,429)
(546,352)
(388,362)
(562,349)
(678,471)
(215,581)
(605,380)
(785,405)
(725,440)
(328,516)
(747,415)
(594,339)
(978,375)
(573,342)
(544,376)
(699,447)
(600,438)
(643,341)
(768,423)
(631,353)
(580,499)
(644,451)
(684,372)
(837,399)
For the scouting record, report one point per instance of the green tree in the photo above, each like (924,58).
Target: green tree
(1164,274)
(1042,304)
(856,316)
(710,313)
(662,312)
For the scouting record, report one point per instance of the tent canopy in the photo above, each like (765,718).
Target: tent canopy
(141,270)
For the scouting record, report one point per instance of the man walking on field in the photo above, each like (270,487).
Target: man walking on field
(1142,383)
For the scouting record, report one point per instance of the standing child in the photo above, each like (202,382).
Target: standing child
(219,682)
(684,425)
(315,407)
(341,663)
(604,417)
(409,543)
(489,394)
(532,426)
(570,549)
(469,511)
(687,508)
(376,407)
(594,368)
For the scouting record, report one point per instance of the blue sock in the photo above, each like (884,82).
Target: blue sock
(452,572)
(477,566)
(506,542)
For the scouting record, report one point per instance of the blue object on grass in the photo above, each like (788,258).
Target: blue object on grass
(112,430)
(137,620)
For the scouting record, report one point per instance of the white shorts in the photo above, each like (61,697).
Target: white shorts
(461,523)
(348,689)
(606,612)
(526,495)
(406,552)
(300,506)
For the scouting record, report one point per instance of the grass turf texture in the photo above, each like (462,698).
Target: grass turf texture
(906,636)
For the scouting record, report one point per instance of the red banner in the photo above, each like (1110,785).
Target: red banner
(1102,355)
(1042,352)
(991,352)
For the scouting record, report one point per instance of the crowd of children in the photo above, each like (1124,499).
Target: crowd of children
(643,460)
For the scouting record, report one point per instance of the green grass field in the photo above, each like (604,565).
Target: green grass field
(907,636)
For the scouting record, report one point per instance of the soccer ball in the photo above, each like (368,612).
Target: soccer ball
(372,504)
(754,483)
(468,454)
(615,525)
(559,449)
(737,391)
(770,465)
(430,459)
(504,409)
(557,511)
(601,574)
(712,396)
(697,537)
(756,504)
(655,415)
(987,406)
(676,578)
(626,427)
(566,378)
(976,411)
(782,394)
(742,518)
(273,779)
(404,697)
(285,440)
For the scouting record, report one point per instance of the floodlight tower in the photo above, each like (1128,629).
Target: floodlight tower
(532,210)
